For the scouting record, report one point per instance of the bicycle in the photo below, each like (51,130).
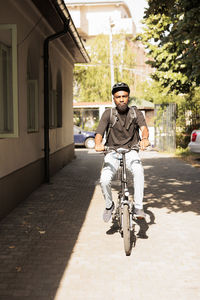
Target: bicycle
(123,213)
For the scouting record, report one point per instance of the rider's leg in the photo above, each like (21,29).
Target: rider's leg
(111,164)
(134,164)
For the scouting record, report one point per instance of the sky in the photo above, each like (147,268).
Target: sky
(137,10)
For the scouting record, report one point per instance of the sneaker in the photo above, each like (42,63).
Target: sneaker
(139,213)
(108,213)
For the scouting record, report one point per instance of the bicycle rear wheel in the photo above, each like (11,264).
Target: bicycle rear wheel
(126,230)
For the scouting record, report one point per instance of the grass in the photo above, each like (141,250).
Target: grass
(186,155)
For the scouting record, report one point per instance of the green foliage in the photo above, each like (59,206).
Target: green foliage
(172,36)
(182,140)
(92,82)
(154,92)
(187,109)
(88,79)
(188,114)
(182,151)
(172,39)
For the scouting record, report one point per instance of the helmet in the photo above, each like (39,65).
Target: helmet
(120,86)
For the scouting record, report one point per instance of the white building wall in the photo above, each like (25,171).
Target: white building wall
(15,153)
(61,137)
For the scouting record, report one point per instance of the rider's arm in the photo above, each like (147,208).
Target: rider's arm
(145,137)
(98,142)
(103,123)
(144,130)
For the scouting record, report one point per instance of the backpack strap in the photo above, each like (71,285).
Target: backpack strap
(133,116)
(113,117)
(112,121)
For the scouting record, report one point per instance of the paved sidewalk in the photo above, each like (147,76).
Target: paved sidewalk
(56,246)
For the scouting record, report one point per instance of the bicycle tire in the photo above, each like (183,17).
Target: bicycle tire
(120,220)
(126,230)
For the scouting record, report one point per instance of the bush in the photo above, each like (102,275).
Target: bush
(182,140)
(182,151)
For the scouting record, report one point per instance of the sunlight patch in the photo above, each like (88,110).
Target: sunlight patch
(168,195)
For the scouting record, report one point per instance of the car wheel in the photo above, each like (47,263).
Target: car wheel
(90,143)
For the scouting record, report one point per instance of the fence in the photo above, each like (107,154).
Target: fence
(165,127)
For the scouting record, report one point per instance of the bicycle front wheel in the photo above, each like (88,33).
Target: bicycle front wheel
(126,230)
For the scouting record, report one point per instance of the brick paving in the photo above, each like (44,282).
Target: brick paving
(55,245)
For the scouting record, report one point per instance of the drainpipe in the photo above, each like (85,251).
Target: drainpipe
(46,98)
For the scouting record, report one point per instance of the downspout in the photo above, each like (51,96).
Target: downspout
(46,97)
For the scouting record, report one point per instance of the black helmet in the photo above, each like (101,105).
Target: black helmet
(120,86)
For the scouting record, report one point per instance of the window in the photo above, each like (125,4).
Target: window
(32,91)
(55,101)
(52,109)
(59,99)
(32,105)
(8,81)
(5,103)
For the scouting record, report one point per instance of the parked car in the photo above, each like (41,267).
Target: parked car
(194,144)
(85,138)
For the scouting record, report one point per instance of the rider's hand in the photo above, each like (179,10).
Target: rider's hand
(99,147)
(144,143)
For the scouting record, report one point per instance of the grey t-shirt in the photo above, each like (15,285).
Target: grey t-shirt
(119,134)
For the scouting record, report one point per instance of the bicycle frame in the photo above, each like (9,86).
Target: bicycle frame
(123,194)
(124,187)
(123,212)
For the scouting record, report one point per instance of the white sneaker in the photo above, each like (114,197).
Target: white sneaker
(139,213)
(108,213)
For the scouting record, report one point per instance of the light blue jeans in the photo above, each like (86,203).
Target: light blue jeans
(110,167)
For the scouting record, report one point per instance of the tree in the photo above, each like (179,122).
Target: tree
(154,92)
(92,81)
(172,36)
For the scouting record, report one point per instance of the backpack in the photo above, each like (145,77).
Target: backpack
(114,118)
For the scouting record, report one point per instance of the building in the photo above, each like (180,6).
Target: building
(95,17)
(39,46)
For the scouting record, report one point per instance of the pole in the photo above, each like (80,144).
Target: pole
(112,76)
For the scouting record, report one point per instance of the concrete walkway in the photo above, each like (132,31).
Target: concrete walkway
(56,246)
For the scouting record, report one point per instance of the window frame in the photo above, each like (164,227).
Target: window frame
(14,83)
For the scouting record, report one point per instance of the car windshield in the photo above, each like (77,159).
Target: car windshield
(77,129)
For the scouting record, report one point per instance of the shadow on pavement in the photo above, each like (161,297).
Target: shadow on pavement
(169,183)
(38,237)
(172,184)
(143,227)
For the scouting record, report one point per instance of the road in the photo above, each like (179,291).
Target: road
(56,246)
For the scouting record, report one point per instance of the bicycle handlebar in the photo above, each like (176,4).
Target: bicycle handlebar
(121,150)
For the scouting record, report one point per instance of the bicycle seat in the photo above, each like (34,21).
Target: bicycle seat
(122,150)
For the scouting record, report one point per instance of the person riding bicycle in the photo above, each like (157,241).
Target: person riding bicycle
(122,125)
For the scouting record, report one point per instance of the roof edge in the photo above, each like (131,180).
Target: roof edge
(65,16)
